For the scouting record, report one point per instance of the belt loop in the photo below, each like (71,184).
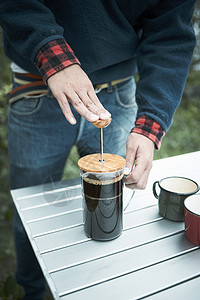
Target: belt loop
(49,93)
(12,77)
(110,87)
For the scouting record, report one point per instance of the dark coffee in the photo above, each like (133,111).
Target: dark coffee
(103,208)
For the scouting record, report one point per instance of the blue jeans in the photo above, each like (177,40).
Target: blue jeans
(40,140)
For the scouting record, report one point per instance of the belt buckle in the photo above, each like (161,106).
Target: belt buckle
(97,90)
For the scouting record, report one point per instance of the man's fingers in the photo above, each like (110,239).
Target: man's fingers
(100,110)
(93,107)
(130,158)
(137,171)
(139,175)
(80,107)
(127,171)
(139,157)
(73,85)
(138,178)
(78,104)
(64,105)
(139,184)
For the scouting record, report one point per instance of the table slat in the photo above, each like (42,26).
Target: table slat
(91,250)
(143,282)
(54,199)
(109,267)
(187,290)
(57,223)
(68,221)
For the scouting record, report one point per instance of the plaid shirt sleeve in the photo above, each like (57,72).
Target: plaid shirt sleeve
(54,57)
(148,127)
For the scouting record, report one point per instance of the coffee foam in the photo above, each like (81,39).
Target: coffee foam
(102,182)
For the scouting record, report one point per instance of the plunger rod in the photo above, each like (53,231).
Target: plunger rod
(101,143)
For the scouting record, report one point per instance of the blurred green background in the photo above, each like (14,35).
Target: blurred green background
(182,137)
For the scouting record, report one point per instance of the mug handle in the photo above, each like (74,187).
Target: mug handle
(154,189)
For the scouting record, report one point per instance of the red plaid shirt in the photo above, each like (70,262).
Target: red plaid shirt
(54,57)
(148,127)
(57,55)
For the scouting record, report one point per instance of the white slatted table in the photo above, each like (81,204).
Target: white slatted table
(151,259)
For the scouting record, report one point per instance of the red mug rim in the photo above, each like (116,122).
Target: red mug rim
(188,199)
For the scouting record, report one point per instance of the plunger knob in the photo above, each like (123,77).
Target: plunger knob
(102,123)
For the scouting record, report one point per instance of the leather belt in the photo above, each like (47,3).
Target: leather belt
(30,85)
(33,85)
(108,84)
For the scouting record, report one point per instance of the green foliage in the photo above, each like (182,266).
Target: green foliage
(71,169)
(183,136)
(4,88)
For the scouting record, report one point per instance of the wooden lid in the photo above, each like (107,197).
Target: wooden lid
(92,163)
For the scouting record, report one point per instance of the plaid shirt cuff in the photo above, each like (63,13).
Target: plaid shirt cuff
(149,128)
(54,57)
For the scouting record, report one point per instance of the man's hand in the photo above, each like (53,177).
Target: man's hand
(73,85)
(139,157)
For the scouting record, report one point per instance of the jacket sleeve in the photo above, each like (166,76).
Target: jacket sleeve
(28,25)
(164,57)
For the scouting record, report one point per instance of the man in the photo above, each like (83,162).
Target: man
(111,40)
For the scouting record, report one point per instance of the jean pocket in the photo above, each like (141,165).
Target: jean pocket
(26,106)
(125,94)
